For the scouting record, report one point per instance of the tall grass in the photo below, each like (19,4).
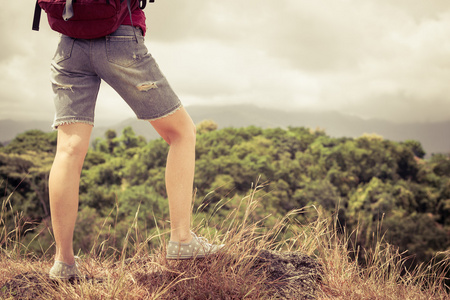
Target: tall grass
(137,271)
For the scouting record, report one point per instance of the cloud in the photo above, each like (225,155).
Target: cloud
(25,55)
(378,58)
(172,21)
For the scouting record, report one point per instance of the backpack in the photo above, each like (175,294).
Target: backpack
(85,19)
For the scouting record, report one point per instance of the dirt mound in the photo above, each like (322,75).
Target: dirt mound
(294,275)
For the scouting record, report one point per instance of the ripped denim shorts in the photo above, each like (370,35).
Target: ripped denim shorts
(122,61)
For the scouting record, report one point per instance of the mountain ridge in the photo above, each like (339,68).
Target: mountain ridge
(434,136)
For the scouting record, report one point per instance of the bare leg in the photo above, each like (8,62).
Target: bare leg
(73,143)
(178,131)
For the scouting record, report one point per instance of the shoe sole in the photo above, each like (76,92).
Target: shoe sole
(180,257)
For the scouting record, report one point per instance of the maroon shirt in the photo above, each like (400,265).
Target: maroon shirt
(138,17)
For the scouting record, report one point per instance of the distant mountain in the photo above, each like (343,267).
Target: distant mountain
(434,136)
(10,128)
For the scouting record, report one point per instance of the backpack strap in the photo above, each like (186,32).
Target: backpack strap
(68,10)
(37,17)
(131,19)
(67,14)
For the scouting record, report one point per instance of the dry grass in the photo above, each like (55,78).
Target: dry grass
(232,274)
(383,276)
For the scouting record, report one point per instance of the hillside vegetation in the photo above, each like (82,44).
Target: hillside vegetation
(355,204)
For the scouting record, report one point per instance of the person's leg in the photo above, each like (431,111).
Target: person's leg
(178,131)
(130,70)
(73,143)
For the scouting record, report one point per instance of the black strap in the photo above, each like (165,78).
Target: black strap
(37,17)
(143,3)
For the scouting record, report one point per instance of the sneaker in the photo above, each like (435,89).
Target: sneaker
(63,271)
(197,248)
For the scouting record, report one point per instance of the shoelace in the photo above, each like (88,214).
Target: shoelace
(202,241)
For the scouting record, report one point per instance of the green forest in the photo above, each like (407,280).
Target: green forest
(374,187)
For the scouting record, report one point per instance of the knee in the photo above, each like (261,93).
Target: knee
(176,128)
(72,151)
(186,133)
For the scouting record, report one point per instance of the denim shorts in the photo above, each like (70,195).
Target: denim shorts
(122,61)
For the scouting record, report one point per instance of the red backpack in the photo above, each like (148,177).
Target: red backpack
(85,19)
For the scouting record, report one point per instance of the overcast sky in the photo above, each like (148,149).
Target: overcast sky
(387,59)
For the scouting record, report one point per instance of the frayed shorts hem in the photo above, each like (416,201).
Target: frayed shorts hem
(171,112)
(58,123)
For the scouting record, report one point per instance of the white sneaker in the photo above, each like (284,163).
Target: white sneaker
(63,271)
(199,247)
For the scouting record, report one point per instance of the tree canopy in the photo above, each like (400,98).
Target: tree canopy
(382,186)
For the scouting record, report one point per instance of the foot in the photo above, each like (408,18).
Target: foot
(63,271)
(198,247)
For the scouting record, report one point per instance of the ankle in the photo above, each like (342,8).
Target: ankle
(69,260)
(183,238)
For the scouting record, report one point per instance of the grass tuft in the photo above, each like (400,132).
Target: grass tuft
(241,271)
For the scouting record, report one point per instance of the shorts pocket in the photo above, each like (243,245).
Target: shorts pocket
(124,50)
(64,49)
